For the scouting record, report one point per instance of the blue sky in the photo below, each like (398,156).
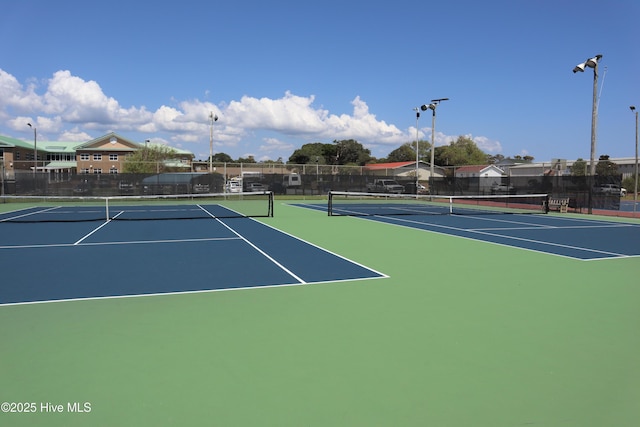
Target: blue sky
(280,74)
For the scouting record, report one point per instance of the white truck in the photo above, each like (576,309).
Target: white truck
(612,189)
(385,186)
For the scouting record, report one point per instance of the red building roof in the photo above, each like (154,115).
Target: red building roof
(392,165)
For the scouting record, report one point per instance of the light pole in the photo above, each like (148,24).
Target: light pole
(35,149)
(417,110)
(592,63)
(434,104)
(635,169)
(212,118)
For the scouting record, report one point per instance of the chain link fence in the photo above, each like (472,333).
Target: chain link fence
(310,180)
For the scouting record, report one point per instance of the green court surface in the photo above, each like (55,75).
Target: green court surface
(463,333)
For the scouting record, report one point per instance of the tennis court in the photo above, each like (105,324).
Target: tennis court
(491,220)
(401,324)
(225,252)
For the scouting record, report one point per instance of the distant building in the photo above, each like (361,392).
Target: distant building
(479,171)
(560,167)
(483,177)
(404,169)
(103,155)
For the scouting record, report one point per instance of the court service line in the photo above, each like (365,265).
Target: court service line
(325,250)
(91,232)
(579,248)
(567,227)
(134,242)
(28,214)
(527,224)
(266,255)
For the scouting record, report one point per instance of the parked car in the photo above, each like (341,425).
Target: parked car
(612,189)
(502,189)
(385,186)
(410,188)
(201,188)
(255,186)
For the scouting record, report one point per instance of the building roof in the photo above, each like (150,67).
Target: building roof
(471,168)
(103,143)
(174,149)
(61,165)
(476,168)
(59,146)
(5,141)
(392,165)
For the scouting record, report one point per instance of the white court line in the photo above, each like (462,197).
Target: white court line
(134,242)
(201,291)
(29,214)
(325,250)
(614,254)
(91,232)
(266,255)
(564,227)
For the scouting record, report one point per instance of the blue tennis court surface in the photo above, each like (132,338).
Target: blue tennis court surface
(77,260)
(579,238)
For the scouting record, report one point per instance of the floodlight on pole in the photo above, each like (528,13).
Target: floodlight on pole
(35,148)
(635,169)
(592,63)
(417,155)
(434,104)
(212,118)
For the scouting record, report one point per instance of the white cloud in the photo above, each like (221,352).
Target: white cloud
(72,107)
(274,144)
(485,144)
(75,135)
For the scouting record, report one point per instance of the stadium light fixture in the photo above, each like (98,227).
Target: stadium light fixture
(635,169)
(35,148)
(417,110)
(212,118)
(434,104)
(592,63)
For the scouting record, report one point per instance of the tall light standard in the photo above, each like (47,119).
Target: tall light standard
(635,169)
(417,110)
(35,149)
(212,118)
(592,63)
(434,104)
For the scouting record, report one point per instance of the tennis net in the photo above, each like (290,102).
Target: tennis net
(365,204)
(156,207)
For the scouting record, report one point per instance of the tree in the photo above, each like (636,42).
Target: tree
(351,152)
(606,167)
(150,159)
(308,153)
(249,159)
(339,153)
(495,158)
(222,158)
(579,168)
(407,152)
(461,152)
